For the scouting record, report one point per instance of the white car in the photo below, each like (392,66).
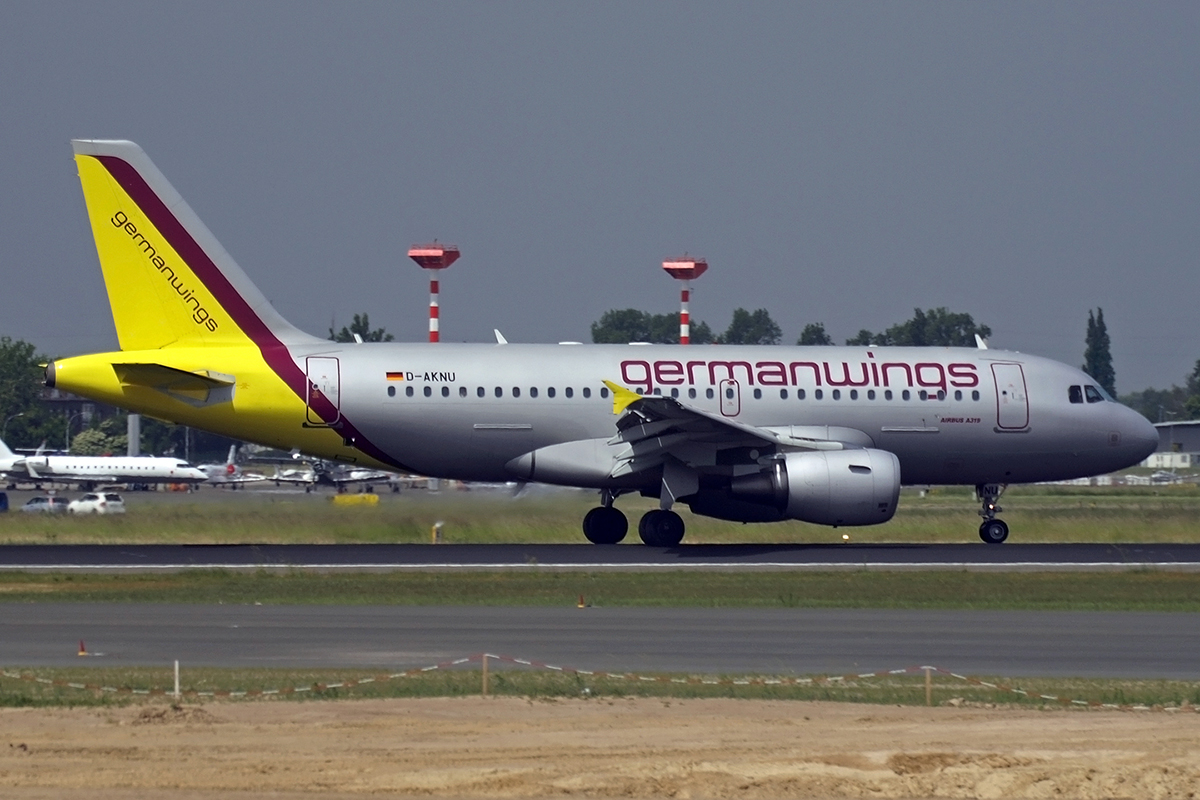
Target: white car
(98,503)
(45,505)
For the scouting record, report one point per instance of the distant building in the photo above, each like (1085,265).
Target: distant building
(1178,446)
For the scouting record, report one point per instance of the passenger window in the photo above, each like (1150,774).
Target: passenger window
(887,394)
(958,394)
(870,394)
(906,395)
(924,395)
(550,392)
(783,394)
(854,394)
(391,391)
(818,394)
(758,394)
(462,391)
(499,392)
(675,393)
(533,392)
(516,391)
(445,391)
(569,391)
(1075,394)
(587,392)
(1093,394)
(941,395)
(691,394)
(837,394)
(975,395)
(428,391)
(480,391)
(799,394)
(708,393)
(604,392)
(408,391)
(729,393)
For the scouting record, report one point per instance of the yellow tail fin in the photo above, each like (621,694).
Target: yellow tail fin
(169,282)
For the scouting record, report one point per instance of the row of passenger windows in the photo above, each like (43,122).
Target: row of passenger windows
(498,391)
(818,394)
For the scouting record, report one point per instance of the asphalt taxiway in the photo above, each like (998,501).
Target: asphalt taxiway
(690,640)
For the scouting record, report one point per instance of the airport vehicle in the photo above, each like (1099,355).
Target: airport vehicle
(46,505)
(754,434)
(92,471)
(97,503)
(229,474)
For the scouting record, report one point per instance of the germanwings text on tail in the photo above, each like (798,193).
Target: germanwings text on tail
(752,434)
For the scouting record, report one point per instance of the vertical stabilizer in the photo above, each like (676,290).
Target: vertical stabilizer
(169,281)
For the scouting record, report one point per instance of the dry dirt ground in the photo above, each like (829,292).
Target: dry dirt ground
(627,748)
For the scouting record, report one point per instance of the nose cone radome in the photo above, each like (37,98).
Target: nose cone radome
(1139,435)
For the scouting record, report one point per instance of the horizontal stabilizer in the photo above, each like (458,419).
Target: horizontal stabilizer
(198,389)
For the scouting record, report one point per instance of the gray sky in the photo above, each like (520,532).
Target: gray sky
(835,162)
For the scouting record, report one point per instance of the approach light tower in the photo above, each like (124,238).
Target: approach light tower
(685,269)
(433,257)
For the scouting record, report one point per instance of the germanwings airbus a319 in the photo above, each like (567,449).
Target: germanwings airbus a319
(753,434)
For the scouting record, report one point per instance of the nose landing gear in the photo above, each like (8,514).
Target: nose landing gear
(992,531)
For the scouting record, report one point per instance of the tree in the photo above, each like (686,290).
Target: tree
(362,327)
(814,333)
(1097,358)
(937,327)
(748,327)
(621,326)
(30,421)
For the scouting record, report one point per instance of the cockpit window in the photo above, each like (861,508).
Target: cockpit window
(1075,393)
(1093,394)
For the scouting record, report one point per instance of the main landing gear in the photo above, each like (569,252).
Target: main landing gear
(607,525)
(992,531)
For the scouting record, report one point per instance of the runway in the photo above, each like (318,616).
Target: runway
(688,640)
(117,558)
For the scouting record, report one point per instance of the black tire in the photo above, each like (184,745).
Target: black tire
(605,525)
(660,528)
(993,531)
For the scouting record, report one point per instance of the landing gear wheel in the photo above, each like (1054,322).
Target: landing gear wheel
(605,525)
(660,528)
(993,531)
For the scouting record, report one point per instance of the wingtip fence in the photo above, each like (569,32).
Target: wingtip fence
(484,659)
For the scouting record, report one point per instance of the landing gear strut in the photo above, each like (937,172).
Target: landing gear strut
(661,528)
(992,531)
(605,524)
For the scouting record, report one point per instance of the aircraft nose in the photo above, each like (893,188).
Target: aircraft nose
(1139,433)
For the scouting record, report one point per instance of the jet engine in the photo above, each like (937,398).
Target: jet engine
(828,487)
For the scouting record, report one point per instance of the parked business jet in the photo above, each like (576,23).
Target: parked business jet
(229,474)
(91,471)
(754,434)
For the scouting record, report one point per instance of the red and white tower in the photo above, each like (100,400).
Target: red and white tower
(433,257)
(685,269)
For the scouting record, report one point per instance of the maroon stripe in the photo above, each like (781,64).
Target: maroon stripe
(274,352)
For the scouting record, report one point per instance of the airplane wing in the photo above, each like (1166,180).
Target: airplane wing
(655,428)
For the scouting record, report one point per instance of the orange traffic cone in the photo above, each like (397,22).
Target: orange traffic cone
(581,603)
(82,649)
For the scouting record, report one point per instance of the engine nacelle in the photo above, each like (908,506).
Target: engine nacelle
(828,487)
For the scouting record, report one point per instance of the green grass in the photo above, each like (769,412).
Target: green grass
(1035,514)
(1141,590)
(901,689)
